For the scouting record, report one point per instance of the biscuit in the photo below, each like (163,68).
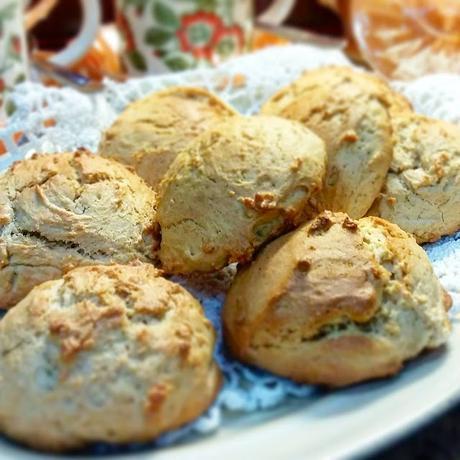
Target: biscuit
(66,210)
(422,190)
(106,353)
(351,111)
(336,302)
(238,185)
(150,132)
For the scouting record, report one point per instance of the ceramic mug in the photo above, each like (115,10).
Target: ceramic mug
(13,55)
(165,35)
(14,66)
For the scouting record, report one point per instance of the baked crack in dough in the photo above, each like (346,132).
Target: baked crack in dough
(105,353)
(422,190)
(70,209)
(351,111)
(150,132)
(336,302)
(238,185)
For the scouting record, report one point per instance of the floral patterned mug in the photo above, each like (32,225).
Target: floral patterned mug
(13,56)
(165,35)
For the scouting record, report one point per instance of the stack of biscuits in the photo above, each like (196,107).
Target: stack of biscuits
(320,199)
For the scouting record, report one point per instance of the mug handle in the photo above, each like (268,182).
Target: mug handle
(276,13)
(78,47)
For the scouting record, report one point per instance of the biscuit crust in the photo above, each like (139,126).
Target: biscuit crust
(422,190)
(70,209)
(150,132)
(351,111)
(336,302)
(238,185)
(106,353)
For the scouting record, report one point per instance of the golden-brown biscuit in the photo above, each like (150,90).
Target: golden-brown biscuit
(61,211)
(238,185)
(150,132)
(422,190)
(336,302)
(106,353)
(351,111)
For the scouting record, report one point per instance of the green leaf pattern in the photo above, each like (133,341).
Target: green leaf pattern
(7,12)
(158,37)
(178,61)
(137,60)
(165,15)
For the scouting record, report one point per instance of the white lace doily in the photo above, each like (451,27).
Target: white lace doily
(244,82)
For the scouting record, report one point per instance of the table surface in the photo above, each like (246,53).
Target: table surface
(438,440)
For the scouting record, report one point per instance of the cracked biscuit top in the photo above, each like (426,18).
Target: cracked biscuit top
(238,185)
(351,111)
(70,209)
(105,353)
(422,190)
(335,302)
(150,132)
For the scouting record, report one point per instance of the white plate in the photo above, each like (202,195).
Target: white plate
(340,424)
(345,423)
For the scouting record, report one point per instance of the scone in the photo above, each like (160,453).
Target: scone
(351,111)
(422,190)
(238,185)
(150,133)
(66,210)
(336,302)
(106,353)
